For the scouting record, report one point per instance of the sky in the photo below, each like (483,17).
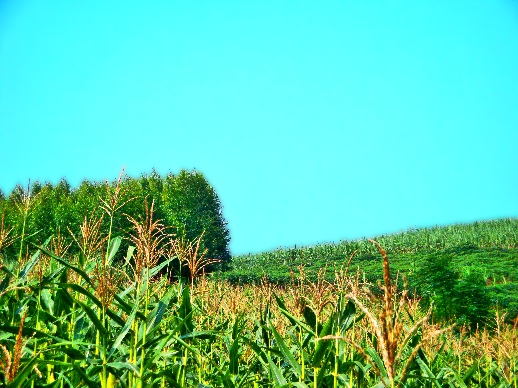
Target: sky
(315,121)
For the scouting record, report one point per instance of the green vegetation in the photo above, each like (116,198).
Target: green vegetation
(94,306)
(105,325)
(448,265)
(491,244)
(186,203)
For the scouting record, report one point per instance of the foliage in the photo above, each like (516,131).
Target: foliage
(101,323)
(186,203)
(192,205)
(436,262)
(436,282)
(481,241)
(99,313)
(471,300)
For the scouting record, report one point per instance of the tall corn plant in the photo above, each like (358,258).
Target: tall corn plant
(309,354)
(190,256)
(394,342)
(81,318)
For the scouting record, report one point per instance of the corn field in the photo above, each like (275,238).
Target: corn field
(104,318)
(90,321)
(494,234)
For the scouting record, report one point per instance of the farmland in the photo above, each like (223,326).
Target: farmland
(426,308)
(480,252)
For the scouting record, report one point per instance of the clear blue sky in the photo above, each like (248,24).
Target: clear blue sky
(315,121)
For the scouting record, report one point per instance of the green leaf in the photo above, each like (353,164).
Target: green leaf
(375,357)
(288,357)
(124,365)
(234,357)
(293,320)
(126,307)
(310,317)
(276,373)
(116,318)
(32,262)
(48,279)
(78,368)
(323,345)
(155,317)
(260,352)
(469,374)
(283,308)
(47,301)
(129,255)
(26,331)
(79,271)
(5,282)
(185,312)
(113,248)
(81,327)
(347,315)
(74,354)
(153,271)
(124,331)
(93,317)
(83,291)
(25,373)
(427,372)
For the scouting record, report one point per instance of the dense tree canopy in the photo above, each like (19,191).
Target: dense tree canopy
(193,206)
(186,203)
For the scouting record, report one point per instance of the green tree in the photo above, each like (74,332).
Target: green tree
(61,202)
(186,203)
(132,199)
(47,213)
(463,298)
(85,202)
(192,206)
(152,189)
(42,217)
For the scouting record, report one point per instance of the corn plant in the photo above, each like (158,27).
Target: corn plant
(106,318)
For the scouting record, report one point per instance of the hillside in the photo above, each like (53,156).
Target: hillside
(484,253)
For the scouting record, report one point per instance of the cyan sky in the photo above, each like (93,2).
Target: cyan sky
(315,121)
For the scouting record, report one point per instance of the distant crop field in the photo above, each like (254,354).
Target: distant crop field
(497,238)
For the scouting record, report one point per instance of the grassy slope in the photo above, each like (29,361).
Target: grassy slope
(491,245)
(490,248)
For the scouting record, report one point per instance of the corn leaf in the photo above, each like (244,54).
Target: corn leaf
(276,374)
(93,317)
(322,344)
(113,248)
(32,262)
(79,271)
(124,365)
(288,357)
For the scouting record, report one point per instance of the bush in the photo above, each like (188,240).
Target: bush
(471,300)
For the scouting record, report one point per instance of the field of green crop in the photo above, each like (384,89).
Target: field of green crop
(482,252)
(101,317)
(65,325)
(466,244)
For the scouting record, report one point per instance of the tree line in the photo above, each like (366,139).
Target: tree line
(187,205)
